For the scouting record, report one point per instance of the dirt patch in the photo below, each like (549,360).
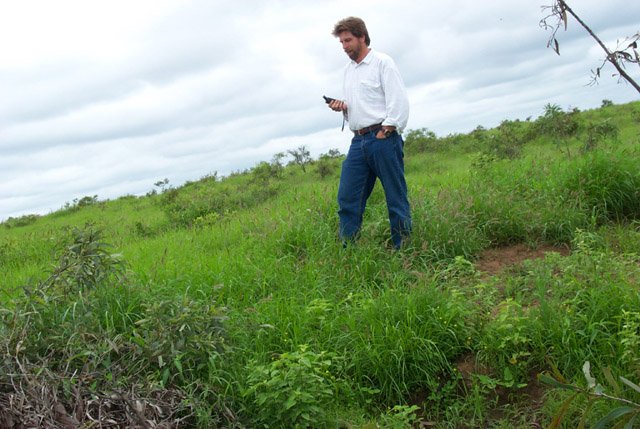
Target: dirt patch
(530,397)
(494,261)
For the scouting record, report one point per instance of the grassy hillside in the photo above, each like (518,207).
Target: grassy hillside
(230,302)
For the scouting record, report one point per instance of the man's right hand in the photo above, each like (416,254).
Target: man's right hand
(338,106)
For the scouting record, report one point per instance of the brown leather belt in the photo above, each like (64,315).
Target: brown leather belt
(366,130)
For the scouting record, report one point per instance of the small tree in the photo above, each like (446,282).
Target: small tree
(619,57)
(162,184)
(301,156)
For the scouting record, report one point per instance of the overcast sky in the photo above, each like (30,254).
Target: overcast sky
(108,97)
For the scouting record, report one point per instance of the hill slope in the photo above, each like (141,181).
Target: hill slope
(231,303)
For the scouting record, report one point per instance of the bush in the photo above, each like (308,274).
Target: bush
(598,132)
(16,222)
(605,186)
(84,339)
(508,141)
(557,123)
(326,166)
(85,262)
(202,203)
(292,391)
(420,140)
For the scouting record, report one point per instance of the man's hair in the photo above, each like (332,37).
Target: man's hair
(354,26)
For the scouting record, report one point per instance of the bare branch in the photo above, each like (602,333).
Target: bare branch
(559,11)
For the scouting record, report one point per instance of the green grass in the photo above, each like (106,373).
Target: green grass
(239,302)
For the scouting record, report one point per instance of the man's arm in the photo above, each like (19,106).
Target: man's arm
(396,99)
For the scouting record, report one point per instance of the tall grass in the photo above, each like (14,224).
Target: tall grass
(236,296)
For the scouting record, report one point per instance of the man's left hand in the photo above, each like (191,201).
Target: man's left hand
(385,132)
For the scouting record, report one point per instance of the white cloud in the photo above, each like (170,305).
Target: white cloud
(107,98)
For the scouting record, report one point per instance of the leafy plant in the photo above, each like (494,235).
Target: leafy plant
(556,123)
(399,417)
(508,141)
(15,222)
(630,339)
(293,390)
(265,171)
(420,140)
(506,344)
(605,185)
(86,262)
(598,132)
(326,166)
(624,415)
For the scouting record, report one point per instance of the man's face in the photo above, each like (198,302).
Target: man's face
(354,47)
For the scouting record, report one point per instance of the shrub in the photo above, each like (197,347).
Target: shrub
(598,132)
(265,171)
(85,262)
(301,157)
(188,206)
(85,340)
(292,391)
(606,186)
(557,123)
(16,222)
(420,140)
(506,345)
(326,166)
(507,143)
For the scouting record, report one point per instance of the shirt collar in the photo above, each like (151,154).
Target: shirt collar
(365,60)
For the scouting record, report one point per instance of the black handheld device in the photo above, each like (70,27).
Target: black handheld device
(328,99)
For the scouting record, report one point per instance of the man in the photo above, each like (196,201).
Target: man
(375,104)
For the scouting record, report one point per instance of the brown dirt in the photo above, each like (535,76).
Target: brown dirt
(494,261)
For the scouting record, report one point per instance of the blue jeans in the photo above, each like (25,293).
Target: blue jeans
(368,159)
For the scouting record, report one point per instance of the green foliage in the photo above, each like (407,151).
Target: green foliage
(212,201)
(605,185)
(420,140)
(606,103)
(301,157)
(265,171)
(501,197)
(16,222)
(400,417)
(599,132)
(293,391)
(506,344)
(77,204)
(402,343)
(509,140)
(622,392)
(85,262)
(85,332)
(226,278)
(629,337)
(327,165)
(556,123)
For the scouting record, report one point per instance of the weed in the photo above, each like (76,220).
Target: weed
(557,123)
(16,222)
(86,262)
(598,132)
(605,186)
(630,340)
(293,391)
(400,417)
(627,411)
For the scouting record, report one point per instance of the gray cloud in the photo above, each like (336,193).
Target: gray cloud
(108,98)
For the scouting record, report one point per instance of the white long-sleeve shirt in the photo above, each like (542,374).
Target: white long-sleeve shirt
(374,93)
